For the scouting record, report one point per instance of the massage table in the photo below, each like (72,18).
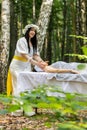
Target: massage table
(67,82)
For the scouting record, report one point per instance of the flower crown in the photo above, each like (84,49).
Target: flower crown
(30,26)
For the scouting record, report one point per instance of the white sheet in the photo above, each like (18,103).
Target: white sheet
(27,81)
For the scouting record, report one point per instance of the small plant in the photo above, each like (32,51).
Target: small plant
(65,108)
(71,126)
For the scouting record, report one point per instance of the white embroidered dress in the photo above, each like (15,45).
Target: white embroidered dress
(18,66)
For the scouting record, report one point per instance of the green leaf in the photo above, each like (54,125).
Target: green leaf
(43,105)
(81,66)
(27,108)
(70,96)
(69,126)
(84,49)
(13,107)
(4,111)
(5,99)
(83,125)
(68,110)
(48,124)
(84,57)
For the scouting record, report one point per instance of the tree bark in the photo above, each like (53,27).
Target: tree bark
(43,21)
(13,30)
(5,41)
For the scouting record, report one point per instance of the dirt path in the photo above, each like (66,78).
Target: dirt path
(41,121)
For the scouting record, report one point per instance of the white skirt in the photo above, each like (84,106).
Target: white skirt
(16,67)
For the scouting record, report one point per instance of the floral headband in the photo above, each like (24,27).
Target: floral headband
(30,26)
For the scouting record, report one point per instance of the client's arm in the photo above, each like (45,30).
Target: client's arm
(51,69)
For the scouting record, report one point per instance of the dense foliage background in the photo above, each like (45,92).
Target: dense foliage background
(65,35)
(68,17)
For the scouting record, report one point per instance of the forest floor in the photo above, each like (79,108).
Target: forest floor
(42,121)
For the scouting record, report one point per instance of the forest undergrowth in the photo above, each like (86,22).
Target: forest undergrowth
(65,112)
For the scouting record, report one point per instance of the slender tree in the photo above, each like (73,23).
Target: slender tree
(5,41)
(13,29)
(64,29)
(86,15)
(34,16)
(44,20)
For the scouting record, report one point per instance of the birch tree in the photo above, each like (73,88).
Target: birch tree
(43,21)
(83,16)
(4,43)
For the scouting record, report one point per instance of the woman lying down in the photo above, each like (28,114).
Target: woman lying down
(51,69)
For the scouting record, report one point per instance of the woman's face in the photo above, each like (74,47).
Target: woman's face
(32,33)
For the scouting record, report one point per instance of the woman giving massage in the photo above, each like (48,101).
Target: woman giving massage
(26,54)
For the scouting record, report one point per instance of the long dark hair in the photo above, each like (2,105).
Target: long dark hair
(33,41)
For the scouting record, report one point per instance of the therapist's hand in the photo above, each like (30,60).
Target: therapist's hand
(45,63)
(42,64)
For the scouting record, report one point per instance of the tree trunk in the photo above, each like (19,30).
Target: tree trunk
(34,16)
(78,26)
(5,40)
(64,30)
(43,21)
(86,16)
(13,30)
(73,29)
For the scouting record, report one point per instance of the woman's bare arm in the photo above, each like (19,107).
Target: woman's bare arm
(33,61)
(51,69)
(37,58)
